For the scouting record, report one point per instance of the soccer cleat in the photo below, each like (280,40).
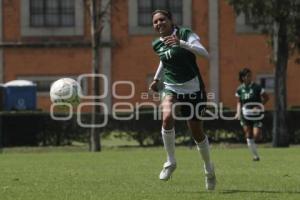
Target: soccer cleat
(210,178)
(167,171)
(256,159)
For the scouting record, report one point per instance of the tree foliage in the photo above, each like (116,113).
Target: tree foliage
(281,20)
(265,13)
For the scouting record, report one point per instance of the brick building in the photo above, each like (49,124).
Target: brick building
(45,40)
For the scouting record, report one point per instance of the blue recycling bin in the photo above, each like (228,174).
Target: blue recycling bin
(2,91)
(20,95)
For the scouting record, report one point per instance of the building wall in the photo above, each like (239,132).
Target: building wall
(251,50)
(133,63)
(11,20)
(238,50)
(133,58)
(22,60)
(200,26)
(1,37)
(293,91)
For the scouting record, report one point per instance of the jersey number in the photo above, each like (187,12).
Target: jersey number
(246,96)
(168,54)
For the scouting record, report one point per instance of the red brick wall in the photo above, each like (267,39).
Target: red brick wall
(133,58)
(40,61)
(238,50)
(11,20)
(52,62)
(293,90)
(200,26)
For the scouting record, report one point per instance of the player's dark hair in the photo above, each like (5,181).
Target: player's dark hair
(244,72)
(166,13)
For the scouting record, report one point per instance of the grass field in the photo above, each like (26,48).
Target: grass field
(132,174)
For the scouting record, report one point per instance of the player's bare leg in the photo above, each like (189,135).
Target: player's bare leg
(168,135)
(257,134)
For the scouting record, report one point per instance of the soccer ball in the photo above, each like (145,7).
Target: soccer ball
(65,90)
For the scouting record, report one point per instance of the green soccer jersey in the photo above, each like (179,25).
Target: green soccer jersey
(179,64)
(249,93)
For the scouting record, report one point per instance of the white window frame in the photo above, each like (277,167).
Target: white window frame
(135,29)
(261,76)
(84,87)
(77,30)
(242,27)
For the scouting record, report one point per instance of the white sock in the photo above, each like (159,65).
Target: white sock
(169,143)
(252,146)
(203,148)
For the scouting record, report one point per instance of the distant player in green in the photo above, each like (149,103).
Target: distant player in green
(250,106)
(177,49)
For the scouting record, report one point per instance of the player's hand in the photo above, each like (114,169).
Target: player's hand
(171,40)
(256,110)
(237,116)
(154,85)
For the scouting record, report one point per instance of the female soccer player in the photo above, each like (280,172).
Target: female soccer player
(251,100)
(177,49)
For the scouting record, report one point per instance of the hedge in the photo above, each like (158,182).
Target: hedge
(39,129)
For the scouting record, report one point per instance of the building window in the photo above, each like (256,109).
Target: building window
(43,83)
(140,14)
(52,18)
(146,7)
(43,86)
(249,21)
(52,13)
(267,82)
(245,23)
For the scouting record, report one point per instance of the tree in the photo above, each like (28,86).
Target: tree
(280,19)
(97,11)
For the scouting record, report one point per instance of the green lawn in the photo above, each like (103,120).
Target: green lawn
(132,173)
